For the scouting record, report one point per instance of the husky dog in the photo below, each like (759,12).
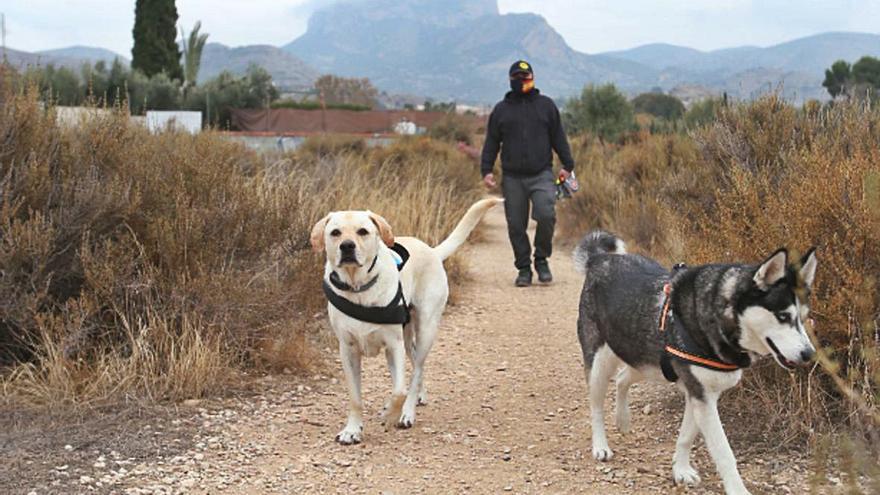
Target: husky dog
(696,326)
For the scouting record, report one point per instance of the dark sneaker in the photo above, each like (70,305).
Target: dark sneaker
(524,279)
(543,269)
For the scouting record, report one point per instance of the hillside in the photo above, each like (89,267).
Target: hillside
(796,66)
(83,53)
(288,71)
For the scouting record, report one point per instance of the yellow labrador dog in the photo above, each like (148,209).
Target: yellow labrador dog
(361,278)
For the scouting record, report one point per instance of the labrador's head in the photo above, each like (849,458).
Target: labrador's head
(351,238)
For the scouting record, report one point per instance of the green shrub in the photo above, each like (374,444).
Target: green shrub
(602,111)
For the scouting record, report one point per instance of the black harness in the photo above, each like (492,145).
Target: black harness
(681,346)
(397,311)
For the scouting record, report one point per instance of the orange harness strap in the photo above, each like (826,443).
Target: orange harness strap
(686,356)
(699,360)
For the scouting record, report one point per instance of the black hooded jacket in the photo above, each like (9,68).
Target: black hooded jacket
(527,128)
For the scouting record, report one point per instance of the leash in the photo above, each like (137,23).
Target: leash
(679,345)
(397,311)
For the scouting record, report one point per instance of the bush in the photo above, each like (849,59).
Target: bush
(602,111)
(702,113)
(659,105)
(323,145)
(138,266)
(453,128)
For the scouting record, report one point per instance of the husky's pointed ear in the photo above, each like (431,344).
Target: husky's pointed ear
(772,270)
(808,267)
(384,228)
(317,236)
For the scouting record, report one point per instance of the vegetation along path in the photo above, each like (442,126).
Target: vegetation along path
(507,412)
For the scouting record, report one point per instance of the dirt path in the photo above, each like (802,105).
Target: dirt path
(507,412)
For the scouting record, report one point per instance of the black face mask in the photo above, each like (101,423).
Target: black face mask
(516,85)
(519,85)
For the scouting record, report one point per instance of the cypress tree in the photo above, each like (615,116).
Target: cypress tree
(155,38)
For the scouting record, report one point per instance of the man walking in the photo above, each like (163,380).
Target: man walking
(527,128)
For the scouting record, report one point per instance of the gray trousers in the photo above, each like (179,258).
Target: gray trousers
(540,191)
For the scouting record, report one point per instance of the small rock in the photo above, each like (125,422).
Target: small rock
(647,410)
(68,447)
(85,480)
(192,402)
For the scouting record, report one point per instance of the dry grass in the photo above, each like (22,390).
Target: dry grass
(765,175)
(153,267)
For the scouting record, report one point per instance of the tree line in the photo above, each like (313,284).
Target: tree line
(858,80)
(608,114)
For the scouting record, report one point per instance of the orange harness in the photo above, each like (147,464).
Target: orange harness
(678,352)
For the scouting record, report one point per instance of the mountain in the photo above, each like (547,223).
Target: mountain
(796,67)
(73,57)
(456,49)
(84,54)
(461,49)
(811,54)
(288,71)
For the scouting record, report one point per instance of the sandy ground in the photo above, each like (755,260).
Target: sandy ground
(507,412)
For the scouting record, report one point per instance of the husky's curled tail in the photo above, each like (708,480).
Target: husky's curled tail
(596,242)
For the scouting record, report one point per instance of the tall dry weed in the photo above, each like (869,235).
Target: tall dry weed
(137,266)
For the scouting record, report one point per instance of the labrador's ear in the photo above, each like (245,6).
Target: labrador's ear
(384,228)
(317,237)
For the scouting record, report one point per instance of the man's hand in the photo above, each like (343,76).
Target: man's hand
(563,174)
(489,181)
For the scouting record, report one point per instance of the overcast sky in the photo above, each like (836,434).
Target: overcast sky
(588,25)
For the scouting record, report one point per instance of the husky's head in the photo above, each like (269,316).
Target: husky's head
(772,312)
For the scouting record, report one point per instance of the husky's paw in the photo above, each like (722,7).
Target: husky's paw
(407,420)
(423,399)
(685,475)
(602,453)
(623,416)
(350,436)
